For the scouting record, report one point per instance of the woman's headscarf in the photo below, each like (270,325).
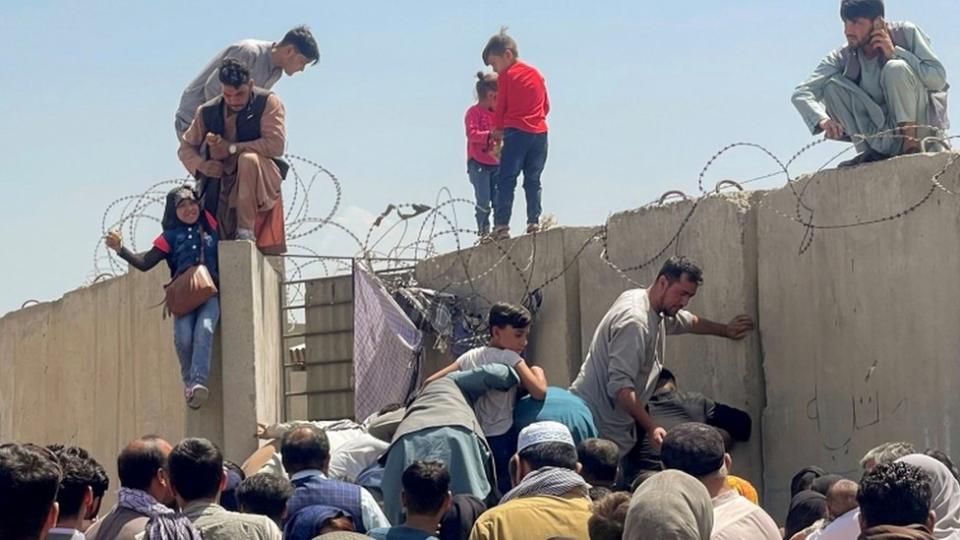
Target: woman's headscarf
(805,509)
(945,502)
(671,505)
(174,198)
(804,479)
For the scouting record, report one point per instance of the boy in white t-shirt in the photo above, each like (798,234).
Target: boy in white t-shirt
(509,330)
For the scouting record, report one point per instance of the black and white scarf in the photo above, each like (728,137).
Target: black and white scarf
(555,481)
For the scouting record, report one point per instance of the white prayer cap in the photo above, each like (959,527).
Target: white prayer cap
(543,432)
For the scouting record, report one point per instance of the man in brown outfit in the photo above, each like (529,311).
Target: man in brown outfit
(234,147)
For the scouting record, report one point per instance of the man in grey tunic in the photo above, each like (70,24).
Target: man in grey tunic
(626,354)
(267,61)
(886,91)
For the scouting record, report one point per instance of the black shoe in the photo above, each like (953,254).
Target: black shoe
(869,156)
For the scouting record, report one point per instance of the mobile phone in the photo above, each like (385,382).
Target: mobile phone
(879,23)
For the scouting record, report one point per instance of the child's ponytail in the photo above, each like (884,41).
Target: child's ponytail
(486,83)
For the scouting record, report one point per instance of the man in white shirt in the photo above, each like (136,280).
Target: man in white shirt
(697,449)
(267,61)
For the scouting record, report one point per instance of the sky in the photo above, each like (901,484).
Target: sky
(642,95)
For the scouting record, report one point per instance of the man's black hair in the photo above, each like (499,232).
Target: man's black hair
(233,73)
(196,469)
(641,478)
(138,466)
(235,475)
(304,448)
(895,494)
(503,314)
(80,471)
(425,484)
(265,494)
(550,454)
(599,459)
(868,9)
(29,481)
(302,40)
(676,267)
(499,44)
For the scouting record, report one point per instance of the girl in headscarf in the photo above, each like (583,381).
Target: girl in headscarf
(188,231)
(803,480)
(671,505)
(945,502)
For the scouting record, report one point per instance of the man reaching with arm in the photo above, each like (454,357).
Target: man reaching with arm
(268,62)
(626,355)
(234,147)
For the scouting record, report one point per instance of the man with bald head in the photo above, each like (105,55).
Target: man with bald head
(144,490)
(306,457)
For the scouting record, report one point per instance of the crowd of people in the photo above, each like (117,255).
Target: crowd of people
(486,449)
(558,490)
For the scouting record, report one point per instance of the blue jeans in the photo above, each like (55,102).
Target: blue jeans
(503,447)
(484,180)
(193,339)
(522,152)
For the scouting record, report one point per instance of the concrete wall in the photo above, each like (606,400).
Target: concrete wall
(502,272)
(857,340)
(250,329)
(721,236)
(97,367)
(859,333)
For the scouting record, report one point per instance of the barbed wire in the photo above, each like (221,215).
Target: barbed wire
(406,234)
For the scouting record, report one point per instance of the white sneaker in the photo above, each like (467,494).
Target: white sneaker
(198,396)
(246,234)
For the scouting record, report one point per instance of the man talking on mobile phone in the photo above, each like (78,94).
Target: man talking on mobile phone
(885,91)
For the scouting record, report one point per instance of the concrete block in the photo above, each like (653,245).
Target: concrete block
(330,317)
(507,271)
(252,358)
(860,342)
(329,290)
(721,237)
(95,368)
(330,347)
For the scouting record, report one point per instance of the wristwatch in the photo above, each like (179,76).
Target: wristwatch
(232,149)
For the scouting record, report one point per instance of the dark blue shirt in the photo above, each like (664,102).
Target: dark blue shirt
(182,246)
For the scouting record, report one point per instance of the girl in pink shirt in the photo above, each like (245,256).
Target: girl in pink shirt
(482,163)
